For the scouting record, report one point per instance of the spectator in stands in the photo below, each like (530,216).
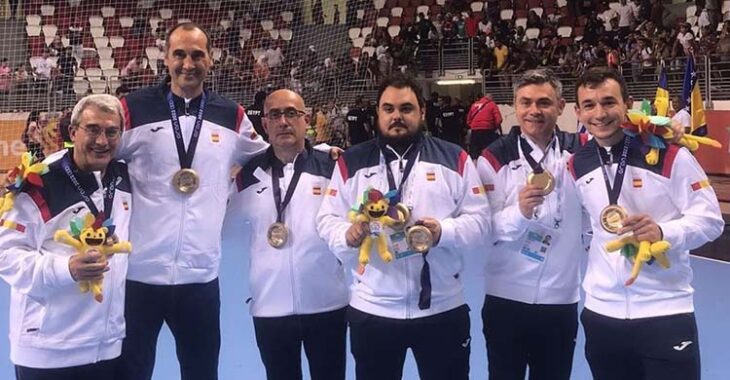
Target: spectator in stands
(681,114)
(31,137)
(261,70)
(625,18)
(485,122)
(472,25)
(448,30)
(44,67)
(131,74)
(141,24)
(501,56)
(6,77)
(385,63)
(533,20)
(319,121)
(56,46)
(121,91)
(66,72)
(75,39)
(179,286)
(274,55)
(460,26)
(657,12)
(21,79)
(451,124)
(685,39)
(255,111)
(425,26)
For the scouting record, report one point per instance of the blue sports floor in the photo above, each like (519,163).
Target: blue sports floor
(240,360)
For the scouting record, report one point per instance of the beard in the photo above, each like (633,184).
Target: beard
(402,142)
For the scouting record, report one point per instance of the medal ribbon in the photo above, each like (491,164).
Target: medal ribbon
(277,171)
(526,149)
(186,158)
(108,182)
(615,191)
(409,156)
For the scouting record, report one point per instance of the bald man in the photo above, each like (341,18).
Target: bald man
(298,288)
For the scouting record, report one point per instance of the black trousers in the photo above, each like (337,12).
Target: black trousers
(657,348)
(440,343)
(191,311)
(96,371)
(480,139)
(323,335)
(519,335)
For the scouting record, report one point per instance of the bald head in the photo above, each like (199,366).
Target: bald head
(285,122)
(283,95)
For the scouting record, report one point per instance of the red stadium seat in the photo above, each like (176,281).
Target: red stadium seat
(36,45)
(518,4)
(534,4)
(521,13)
(548,3)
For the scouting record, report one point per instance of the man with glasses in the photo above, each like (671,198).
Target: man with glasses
(57,332)
(297,285)
(181,140)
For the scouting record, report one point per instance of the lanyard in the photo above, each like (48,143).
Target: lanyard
(410,156)
(277,171)
(615,191)
(526,149)
(108,182)
(186,157)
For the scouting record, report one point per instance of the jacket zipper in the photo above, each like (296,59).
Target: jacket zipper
(183,208)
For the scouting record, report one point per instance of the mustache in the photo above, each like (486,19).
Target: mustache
(396,124)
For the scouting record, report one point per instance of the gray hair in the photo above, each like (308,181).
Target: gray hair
(538,77)
(104,102)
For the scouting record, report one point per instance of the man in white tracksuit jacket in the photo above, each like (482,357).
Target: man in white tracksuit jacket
(57,332)
(298,289)
(415,301)
(646,330)
(532,273)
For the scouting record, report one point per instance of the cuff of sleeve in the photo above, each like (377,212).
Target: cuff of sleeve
(448,233)
(61,273)
(673,234)
(340,247)
(518,220)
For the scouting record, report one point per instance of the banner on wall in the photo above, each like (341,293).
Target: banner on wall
(44,131)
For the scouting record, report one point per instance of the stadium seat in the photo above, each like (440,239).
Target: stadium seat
(393,30)
(101,42)
(532,33)
(614,5)
(355,53)
(216,53)
(98,86)
(725,6)
(534,4)
(165,13)
(48,40)
(48,10)
(152,53)
(521,22)
(49,30)
(370,50)
(538,10)
(477,6)
(33,30)
(286,34)
(104,52)
(126,22)
(379,4)
(563,3)
(93,73)
(578,31)
(107,64)
(565,31)
(267,25)
(97,31)
(96,21)
(691,10)
(65,41)
(395,21)
(33,20)
(366,31)
(80,73)
(274,33)
(81,86)
(182,20)
(520,13)
(154,23)
(506,14)
(422,9)
(441,2)
(353,33)
(692,20)
(358,42)
(287,16)
(548,3)
(382,22)
(396,12)
(360,14)
(225,23)
(116,42)
(108,11)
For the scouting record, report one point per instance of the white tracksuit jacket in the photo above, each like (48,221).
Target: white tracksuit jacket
(676,195)
(443,185)
(53,324)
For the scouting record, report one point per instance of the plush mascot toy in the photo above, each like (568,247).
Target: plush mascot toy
(375,210)
(29,171)
(641,252)
(87,233)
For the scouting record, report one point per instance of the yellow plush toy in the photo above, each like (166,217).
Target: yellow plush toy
(375,209)
(641,252)
(90,233)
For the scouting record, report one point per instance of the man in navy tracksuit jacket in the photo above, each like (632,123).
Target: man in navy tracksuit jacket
(298,289)
(57,332)
(646,330)
(415,301)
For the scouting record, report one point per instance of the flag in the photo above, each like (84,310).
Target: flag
(661,100)
(692,99)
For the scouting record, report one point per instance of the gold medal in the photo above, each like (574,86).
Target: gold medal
(543,180)
(612,218)
(277,235)
(419,239)
(186,181)
(404,213)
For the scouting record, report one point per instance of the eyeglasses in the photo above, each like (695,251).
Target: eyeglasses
(290,113)
(94,131)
